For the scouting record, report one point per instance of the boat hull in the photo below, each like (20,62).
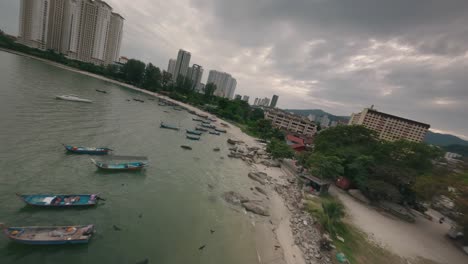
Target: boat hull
(87,151)
(73,99)
(60,200)
(42,235)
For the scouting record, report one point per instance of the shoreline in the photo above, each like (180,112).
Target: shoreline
(273,234)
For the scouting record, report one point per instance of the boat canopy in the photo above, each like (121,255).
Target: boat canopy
(123,158)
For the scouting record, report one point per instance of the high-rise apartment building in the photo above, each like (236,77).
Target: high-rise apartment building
(255,101)
(171,66)
(182,64)
(390,127)
(274,101)
(225,84)
(84,30)
(245,98)
(33,23)
(114,39)
(238,97)
(324,121)
(195,74)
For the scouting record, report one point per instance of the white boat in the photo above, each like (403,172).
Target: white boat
(71,97)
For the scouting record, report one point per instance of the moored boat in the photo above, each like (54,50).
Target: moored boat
(121,163)
(220,130)
(101,91)
(194,132)
(87,150)
(214,133)
(212,119)
(216,149)
(207,126)
(186,147)
(49,235)
(74,98)
(163,125)
(192,137)
(197,119)
(60,200)
(201,129)
(206,122)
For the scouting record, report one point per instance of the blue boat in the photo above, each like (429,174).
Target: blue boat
(60,200)
(121,163)
(201,129)
(193,137)
(220,130)
(167,126)
(87,150)
(194,132)
(206,122)
(197,119)
(214,133)
(49,235)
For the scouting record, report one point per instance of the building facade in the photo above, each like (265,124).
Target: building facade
(291,122)
(195,74)
(225,84)
(245,98)
(182,64)
(33,23)
(390,127)
(274,101)
(238,97)
(84,30)
(171,66)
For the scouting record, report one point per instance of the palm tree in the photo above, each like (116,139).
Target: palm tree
(332,214)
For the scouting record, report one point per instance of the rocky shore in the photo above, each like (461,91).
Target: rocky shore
(305,233)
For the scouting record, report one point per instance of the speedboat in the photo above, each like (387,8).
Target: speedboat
(71,97)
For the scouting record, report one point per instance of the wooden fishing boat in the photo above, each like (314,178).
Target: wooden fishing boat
(186,147)
(216,149)
(207,126)
(206,122)
(177,108)
(212,119)
(60,200)
(138,100)
(192,137)
(197,119)
(121,163)
(214,133)
(161,104)
(224,125)
(167,126)
(201,129)
(49,235)
(101,91)
(74,98)
(202,115)
(194,132)
(220,130)
(87,150)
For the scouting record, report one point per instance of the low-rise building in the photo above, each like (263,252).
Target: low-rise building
(390,127)
(451,155)
(291,122)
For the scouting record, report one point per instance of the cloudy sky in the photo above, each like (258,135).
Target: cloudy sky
(408,58)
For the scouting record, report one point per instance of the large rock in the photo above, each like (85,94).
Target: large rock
(255,208)
(257,177)
(260,190)
(234,198)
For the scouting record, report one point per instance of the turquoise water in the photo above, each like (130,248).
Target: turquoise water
(165,212)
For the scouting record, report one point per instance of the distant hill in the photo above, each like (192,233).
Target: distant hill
(317,113)
(443,139)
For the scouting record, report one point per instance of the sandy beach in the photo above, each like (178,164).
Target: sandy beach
(273,234)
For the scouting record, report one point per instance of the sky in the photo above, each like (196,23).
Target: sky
(407,58)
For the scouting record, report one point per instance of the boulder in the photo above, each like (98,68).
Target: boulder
(260,190)
(255,208)
(255,176)
(234,198)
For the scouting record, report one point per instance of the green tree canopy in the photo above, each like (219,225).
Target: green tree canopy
(133,71)
(279,149)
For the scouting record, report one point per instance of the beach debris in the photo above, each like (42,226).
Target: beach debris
(255,208)
(211,187)
(212,231)
(216,149)
(140,215)
(116,228)
(145,261)
(277,247)
(340,238)
(234,198)
(202,247)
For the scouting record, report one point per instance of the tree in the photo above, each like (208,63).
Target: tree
(133,71)
(325,167)
(166,80)
(210,88)
(256,114)
(378,190)
(279,149)
(152,78)
(333,212)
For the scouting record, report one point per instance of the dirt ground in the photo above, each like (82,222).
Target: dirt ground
(424,238)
